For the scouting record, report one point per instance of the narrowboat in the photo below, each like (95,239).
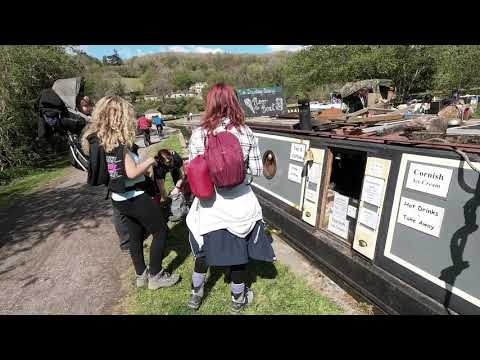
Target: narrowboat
(386,208)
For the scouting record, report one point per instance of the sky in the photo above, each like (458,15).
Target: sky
(128,51)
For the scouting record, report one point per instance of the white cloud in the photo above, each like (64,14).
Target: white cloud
(206,50)
(125,52)
(195,49)
(292,48)
(177,48)
(71,49)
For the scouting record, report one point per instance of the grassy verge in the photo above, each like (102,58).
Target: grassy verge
(172,143)
(277,290)
(27,184)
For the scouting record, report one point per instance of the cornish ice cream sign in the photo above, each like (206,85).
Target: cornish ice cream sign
(432,180)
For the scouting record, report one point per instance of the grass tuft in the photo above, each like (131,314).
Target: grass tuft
(30,183)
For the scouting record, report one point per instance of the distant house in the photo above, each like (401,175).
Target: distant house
(180,94)
(151,98)
(197,88)
(193,91)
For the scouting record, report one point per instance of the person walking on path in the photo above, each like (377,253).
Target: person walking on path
(158,122)
(113,125)
(228,229)
(144,124)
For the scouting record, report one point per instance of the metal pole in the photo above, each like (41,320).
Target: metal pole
(305,116)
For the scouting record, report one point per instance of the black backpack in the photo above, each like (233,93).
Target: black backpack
(109,169)
(97,164)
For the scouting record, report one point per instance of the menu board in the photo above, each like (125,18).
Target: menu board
(372,190)
(371,205)
(262,101)
(337,222)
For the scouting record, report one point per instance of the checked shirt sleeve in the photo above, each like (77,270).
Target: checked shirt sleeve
(195,146)
(255,158)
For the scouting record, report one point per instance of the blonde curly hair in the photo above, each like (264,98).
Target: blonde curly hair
(113,121)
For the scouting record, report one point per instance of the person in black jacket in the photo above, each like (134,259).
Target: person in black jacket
(169,161)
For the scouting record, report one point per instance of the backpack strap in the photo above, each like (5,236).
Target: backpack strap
(108,193)
(247,166)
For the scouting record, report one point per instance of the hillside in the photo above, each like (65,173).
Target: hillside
(132,84)
(310,72)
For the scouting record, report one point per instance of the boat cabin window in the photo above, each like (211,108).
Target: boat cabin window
(343,187)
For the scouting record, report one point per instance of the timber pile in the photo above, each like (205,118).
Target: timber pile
(272,122)
(328,116)
(372,115)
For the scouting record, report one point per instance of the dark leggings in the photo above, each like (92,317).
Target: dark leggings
(238,273)
(146,136)
(142,216)
(157,250)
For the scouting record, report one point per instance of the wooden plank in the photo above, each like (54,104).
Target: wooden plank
(326,183)
(357,113)
(375,119)
(374,109)
(370,109)
(272,122)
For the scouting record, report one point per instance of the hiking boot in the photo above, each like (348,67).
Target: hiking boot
(197,297)
(162,279)
(242,300)
(142,280)
(125,250)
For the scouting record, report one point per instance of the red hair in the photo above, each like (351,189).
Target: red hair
(222,103)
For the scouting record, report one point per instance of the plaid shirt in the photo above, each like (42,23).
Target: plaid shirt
(247,139)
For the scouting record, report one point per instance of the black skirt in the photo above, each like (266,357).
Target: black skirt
(222,248)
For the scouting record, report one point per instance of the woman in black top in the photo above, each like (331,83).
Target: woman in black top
(113,123)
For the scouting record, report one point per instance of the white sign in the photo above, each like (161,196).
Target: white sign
(297,152)
(376,167)
(352,211)
(314,173)
(311,195)
(295,173)
(372,190)
(421,216)
(337,222)
(338,226)
(340,206)
(429,179)
(368,217)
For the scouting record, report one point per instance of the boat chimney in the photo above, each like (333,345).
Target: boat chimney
(304,115)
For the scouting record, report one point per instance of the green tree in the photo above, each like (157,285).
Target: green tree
(411,67)
(117,88)
(160,83)
(24,72)
(182,80)
(457,67)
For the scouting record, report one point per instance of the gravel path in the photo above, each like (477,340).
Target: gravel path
(59,252)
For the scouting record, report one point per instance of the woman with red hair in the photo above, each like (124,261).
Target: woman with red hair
(227,230)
